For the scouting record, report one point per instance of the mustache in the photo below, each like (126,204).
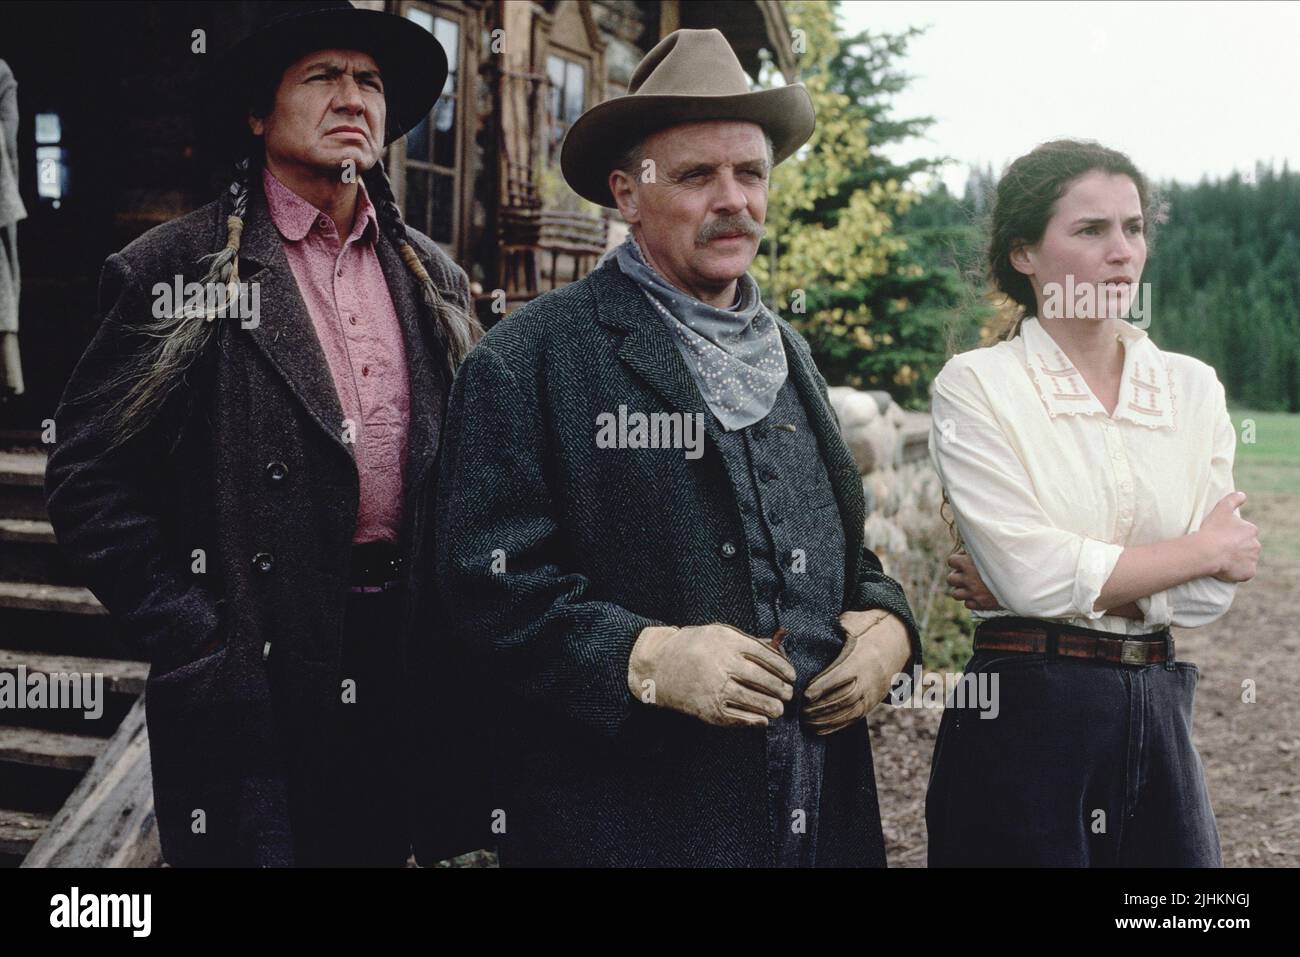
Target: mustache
(739,223)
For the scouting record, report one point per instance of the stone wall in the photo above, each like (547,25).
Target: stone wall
(904,527)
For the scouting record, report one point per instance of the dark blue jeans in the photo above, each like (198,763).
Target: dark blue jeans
(1087,764)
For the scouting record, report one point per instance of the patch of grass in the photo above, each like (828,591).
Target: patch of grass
(1268,451)
(949,633)
(1268,463)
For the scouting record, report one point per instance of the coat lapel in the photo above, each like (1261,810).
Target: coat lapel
(648,349)
(646,346)
(835,453)
(284,333)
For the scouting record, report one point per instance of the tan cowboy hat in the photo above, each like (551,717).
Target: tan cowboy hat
(690,75)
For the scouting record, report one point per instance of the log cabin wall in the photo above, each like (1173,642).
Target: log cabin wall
(112,85)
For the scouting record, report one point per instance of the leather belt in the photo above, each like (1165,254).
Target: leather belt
(1035,636)
(375,566)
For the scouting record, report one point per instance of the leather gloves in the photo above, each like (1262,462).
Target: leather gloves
(876,647)
(714,672)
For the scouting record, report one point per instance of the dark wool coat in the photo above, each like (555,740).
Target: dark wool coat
(262,481)
(553,555)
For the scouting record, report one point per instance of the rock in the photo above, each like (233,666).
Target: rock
(853,408)
(883,399)
(884,537)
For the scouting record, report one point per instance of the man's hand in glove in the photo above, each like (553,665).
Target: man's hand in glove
(876,647)
(715,672)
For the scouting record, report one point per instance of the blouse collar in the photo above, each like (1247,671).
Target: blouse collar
(1146,390)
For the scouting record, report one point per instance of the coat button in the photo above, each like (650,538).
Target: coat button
(775,518)
(277,472)
(728,549)
(263,561)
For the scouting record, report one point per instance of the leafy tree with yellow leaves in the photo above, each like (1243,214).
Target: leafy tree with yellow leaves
(871,295)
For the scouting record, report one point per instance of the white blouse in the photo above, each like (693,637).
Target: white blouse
(1047,489)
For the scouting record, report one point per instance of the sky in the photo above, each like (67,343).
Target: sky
(1186,89)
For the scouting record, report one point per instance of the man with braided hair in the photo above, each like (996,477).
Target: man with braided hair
(246,493)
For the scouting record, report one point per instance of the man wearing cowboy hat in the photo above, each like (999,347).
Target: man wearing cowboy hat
(245,493)
(679,646)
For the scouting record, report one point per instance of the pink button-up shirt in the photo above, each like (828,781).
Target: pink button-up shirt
(350,307)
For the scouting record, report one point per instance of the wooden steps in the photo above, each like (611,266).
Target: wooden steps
(108,821)
(27,531)
(34,596)
(74,790)
(19,830)
(120,677)
(22,468)
(22,485)
(49,749)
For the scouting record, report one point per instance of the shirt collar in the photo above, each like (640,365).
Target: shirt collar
(1146,389)
(294,217)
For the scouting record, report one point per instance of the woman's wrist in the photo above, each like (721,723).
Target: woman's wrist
(1209,561)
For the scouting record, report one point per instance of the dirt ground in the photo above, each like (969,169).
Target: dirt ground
(1251,752)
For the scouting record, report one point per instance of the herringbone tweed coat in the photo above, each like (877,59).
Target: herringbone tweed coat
(553,554)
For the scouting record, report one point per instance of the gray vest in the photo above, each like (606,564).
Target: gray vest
(795,540)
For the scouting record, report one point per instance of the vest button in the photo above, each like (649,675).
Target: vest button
(277,472)
(263,561)
(728,549)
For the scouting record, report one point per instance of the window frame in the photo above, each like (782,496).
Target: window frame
(403,166)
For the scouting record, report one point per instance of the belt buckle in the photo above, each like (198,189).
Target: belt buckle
(1130,653)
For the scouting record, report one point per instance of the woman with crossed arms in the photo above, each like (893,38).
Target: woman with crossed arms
(1090,478)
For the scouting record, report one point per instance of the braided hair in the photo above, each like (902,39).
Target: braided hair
(176,340)
(455,329)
